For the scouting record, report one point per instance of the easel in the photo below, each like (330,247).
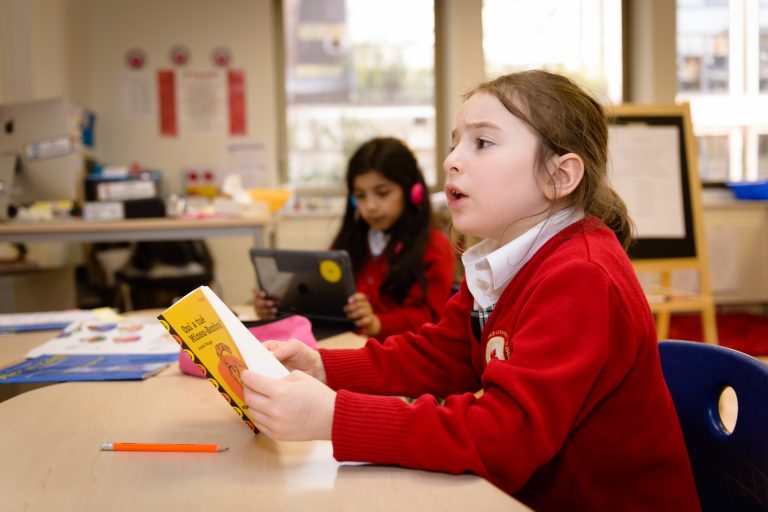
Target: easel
(686,251)
(664,300)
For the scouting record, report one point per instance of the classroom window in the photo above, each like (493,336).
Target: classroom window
(722,71)
(526,34)
(713,153)
(355,69)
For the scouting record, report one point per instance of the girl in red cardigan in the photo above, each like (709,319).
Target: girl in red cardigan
(403,265)
(543,374)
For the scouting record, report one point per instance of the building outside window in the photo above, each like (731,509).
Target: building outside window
(722,71)
(355,69)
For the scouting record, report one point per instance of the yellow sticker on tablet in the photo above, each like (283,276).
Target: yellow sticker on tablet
(330,270)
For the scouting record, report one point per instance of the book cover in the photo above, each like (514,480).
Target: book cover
(220,345)
(83,367)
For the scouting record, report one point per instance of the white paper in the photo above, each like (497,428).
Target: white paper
(644,168)
(247,159)
(202,103)
(126,337)
(255,355)
(137,94)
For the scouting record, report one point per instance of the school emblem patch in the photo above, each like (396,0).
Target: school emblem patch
(497,346)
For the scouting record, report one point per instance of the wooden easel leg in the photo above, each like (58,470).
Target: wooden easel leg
(663,317)
(662,325)
(709,324)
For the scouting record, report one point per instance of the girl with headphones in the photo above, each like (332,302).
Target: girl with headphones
(403,265)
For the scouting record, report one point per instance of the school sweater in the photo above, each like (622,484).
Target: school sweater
(415,310)
(574,412)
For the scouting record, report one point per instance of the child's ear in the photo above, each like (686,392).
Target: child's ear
(568,170)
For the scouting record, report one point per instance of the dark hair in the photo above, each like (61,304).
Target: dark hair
(410,233)
(566,120)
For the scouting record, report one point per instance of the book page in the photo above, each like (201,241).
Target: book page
(255,355)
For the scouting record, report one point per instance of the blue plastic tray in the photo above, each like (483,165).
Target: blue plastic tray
(755,190)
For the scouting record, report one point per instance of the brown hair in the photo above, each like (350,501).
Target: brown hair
(566,120)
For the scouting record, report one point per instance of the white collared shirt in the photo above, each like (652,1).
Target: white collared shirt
(488,268)
(377,242)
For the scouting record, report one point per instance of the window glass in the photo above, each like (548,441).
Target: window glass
(702,45)
(351,76)
(526,34)
(762,157)
(763,35)
(713,157)
(723,74)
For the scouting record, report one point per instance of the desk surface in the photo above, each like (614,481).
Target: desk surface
(52,435)
(165,228)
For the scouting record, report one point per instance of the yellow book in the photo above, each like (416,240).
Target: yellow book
(220,345)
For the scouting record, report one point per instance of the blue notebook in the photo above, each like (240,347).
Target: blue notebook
(43,321)
(62,368)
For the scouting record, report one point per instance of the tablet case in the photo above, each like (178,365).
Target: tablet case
(312,283)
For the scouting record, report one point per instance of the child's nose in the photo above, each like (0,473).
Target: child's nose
(452,164)
(370,204)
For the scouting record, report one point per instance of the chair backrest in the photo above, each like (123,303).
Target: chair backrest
(172,252)
(731,469)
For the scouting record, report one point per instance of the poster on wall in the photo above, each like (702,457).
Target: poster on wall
(137,94)
(236,100)
(201,102)
(166,99)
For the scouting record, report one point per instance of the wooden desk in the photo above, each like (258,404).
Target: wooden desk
(165,228)
(51,438)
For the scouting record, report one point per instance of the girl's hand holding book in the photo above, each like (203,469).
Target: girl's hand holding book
(296,355)
(297,407)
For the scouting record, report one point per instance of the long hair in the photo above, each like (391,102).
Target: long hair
(566,120)
(408,235)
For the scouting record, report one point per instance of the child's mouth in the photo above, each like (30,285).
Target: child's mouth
(453,194)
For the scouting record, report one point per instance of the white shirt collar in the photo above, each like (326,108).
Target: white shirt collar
(377,242)
(488,268)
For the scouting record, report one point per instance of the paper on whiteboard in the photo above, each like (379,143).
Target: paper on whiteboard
(644,168)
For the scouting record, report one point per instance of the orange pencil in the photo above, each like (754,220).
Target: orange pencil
(162,447)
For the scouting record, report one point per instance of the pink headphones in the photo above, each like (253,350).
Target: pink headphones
(417,194)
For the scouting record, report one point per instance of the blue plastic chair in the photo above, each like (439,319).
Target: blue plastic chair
(731,469)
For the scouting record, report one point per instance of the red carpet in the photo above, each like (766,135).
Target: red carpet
(745,332)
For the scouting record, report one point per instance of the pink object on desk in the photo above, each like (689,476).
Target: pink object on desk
(294,326)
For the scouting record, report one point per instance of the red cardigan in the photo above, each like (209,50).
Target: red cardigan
(415,310)
(574,412)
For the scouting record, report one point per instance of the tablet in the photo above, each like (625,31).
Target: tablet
(312,283)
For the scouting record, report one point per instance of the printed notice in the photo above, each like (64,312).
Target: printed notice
(644,168)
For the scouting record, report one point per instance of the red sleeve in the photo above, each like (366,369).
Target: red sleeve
(437,360)
(529,402)
(416,310)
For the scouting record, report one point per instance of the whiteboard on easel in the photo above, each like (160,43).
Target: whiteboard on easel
(649,159)
(650,168)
